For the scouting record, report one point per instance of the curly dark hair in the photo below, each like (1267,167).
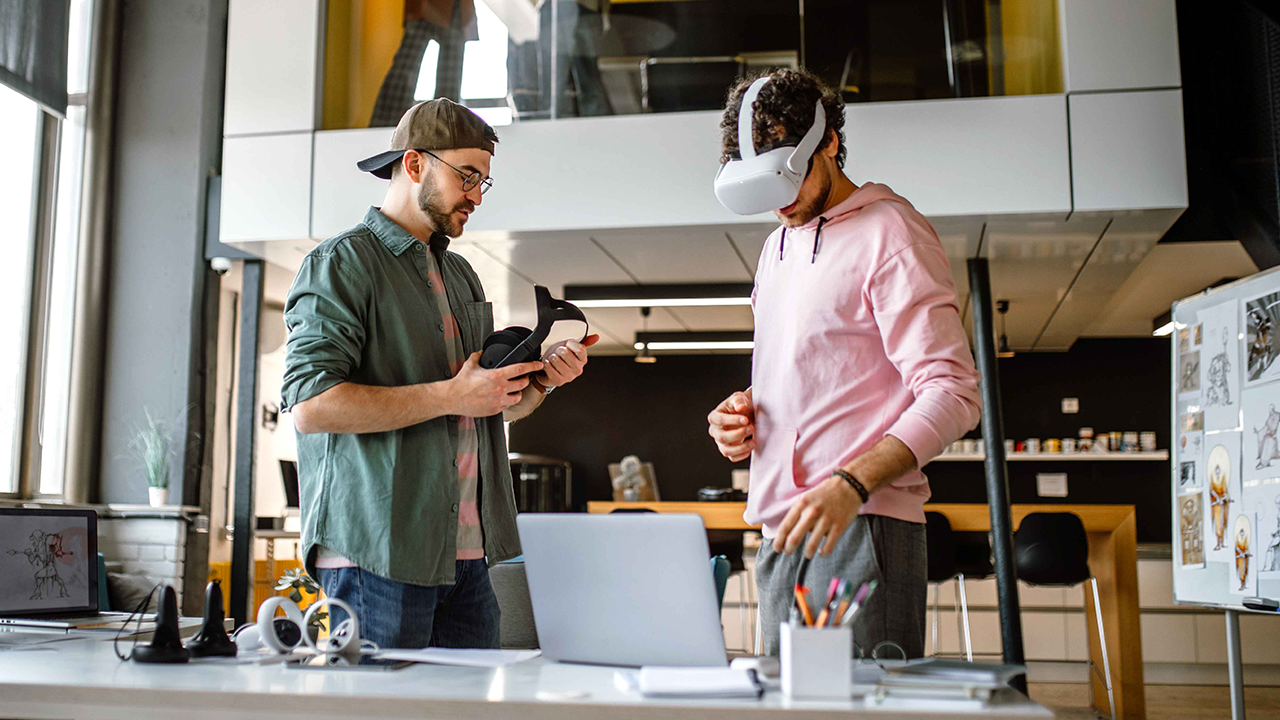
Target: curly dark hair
(783,109)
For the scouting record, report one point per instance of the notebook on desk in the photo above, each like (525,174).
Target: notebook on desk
(49,560)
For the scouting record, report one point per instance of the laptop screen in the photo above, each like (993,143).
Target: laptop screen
(49,561)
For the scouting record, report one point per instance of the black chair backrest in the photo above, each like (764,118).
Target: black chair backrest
(973,555)
(941,547)
(1052,549)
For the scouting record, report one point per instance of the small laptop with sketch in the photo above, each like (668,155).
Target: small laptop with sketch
(627,589)
(49,562)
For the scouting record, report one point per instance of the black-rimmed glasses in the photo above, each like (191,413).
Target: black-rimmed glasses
(469,179)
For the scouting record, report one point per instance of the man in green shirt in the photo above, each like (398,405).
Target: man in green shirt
(406,489)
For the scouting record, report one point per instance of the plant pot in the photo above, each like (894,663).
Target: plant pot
(159,496)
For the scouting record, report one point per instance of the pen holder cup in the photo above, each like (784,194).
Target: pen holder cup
(816,662)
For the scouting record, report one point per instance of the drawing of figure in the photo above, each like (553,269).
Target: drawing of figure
(1268,445)
(1260,352)
(45,551)
(1271,561)
(1218,500)
(1190,381)
(1242,551)
(1219,392)
(1192,537)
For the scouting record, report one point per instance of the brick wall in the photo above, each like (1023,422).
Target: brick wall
(154,547)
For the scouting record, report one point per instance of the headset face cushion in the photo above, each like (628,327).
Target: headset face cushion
(287,632)
(498,345)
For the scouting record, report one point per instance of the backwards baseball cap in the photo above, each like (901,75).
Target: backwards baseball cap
(439,124)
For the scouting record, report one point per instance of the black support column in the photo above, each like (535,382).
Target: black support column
(996,467)
(242,564)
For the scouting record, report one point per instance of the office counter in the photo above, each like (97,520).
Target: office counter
(82,679)
(1113,558)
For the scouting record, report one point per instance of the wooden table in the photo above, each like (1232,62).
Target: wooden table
(1113,558)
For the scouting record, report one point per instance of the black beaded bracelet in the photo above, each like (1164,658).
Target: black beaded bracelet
(858,487)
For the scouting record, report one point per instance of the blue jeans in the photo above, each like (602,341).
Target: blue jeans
(400,615)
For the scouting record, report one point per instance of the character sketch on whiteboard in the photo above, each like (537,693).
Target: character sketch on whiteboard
(1219,493)
(1265,437)
(1261,315)
(1218,391)
(1187,479)
(1270,565)
(44,554)
(1242,581)
(1189,373)
(1220,365)
(1191,529)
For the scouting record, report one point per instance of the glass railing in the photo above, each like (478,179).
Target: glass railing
(521,60)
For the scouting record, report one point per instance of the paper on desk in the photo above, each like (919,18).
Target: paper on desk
(462,657)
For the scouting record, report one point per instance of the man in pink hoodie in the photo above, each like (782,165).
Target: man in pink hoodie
(861,375)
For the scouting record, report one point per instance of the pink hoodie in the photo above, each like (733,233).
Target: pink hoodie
(857,336)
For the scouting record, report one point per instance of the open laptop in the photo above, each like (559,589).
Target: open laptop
(624,589)
(49,562)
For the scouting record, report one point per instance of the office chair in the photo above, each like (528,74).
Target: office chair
(941,551)
(1052,549)
(973,562)
(720,571)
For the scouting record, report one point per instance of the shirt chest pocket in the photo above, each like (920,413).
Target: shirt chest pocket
(477,324)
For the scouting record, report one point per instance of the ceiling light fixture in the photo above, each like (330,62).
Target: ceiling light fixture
(659,295)
(695,341)
(644,356)
(1003,351)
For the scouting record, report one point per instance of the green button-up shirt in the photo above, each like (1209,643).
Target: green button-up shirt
(361,310)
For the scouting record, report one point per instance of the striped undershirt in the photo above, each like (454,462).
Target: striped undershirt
(470,534)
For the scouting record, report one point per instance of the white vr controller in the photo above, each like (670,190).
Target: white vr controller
(282,635)
(759,183)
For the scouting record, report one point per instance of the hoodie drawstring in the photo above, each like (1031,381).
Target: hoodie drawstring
(821,221)
(782,245)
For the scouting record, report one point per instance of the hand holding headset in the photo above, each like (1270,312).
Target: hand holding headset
(518,344)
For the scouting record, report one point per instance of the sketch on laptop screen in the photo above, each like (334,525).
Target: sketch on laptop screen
(44,562)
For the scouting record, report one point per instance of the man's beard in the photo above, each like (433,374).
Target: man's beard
(440,217)
(811,208)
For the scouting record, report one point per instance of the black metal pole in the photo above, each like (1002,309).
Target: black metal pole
(996,468)
(246,410)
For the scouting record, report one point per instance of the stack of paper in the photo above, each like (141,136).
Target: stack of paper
(462,657)
(706,682)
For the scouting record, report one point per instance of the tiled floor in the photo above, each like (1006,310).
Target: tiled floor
(1176,702)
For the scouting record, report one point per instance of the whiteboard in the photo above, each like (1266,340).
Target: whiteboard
(1226,443)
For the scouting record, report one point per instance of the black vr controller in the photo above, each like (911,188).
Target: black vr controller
(517,344)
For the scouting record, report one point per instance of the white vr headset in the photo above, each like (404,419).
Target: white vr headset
(771,180)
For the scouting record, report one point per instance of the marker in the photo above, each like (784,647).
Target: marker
(802,600)
(858,599)
(833,595)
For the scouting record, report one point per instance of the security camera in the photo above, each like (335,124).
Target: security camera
(220,265)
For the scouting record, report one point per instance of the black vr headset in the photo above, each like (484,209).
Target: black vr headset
(520,344)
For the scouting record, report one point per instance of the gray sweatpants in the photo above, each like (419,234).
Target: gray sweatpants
(884,549)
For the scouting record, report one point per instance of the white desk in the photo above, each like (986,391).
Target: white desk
(83,679)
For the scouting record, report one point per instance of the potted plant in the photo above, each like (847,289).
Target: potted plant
(152,446)
(302,586)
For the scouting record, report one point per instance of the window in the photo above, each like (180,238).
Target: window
(484,70)
(19,121)
(66,246)
(20,144)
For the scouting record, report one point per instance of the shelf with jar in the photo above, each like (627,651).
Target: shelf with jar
(1087,447)
(1153,455)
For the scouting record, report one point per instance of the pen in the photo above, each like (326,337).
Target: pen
(845,596)
(863,592)
(833,594)
(802,600)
